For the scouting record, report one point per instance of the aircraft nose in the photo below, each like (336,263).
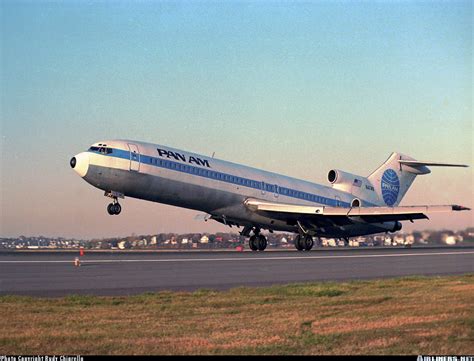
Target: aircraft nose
(80,163)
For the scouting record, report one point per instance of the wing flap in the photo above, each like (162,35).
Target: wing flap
(367,214)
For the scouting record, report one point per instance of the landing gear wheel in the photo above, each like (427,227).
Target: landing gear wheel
(117,209)
(111,209)
(261,243)
(298,243)
(308,243)
(253,243)
(114,209)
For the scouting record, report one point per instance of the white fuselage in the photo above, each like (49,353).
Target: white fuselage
(166,175)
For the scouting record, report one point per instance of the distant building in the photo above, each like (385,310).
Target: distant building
(410,239)
(451,239)
(354,243)
(398,240)
(329,242)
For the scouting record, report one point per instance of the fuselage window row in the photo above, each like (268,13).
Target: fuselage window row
(218,176)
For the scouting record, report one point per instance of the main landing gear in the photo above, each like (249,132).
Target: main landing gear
(257,242)
(304,243)
(114,208)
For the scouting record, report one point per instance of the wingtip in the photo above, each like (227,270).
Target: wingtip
(460,208)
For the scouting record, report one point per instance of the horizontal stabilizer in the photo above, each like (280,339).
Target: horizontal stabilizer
(417,167)
(417,163)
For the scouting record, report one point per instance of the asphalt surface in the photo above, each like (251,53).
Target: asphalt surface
(52,274)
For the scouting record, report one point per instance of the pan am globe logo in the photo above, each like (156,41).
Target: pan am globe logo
(390,187)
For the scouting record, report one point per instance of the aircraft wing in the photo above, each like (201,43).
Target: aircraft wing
(325,215)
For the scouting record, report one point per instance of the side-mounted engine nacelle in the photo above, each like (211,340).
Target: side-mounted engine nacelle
(360,187)
(397,226)
(344,180)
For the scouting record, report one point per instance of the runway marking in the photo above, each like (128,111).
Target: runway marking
(248,259)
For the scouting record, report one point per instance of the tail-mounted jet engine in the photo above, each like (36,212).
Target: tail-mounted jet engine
(344,181)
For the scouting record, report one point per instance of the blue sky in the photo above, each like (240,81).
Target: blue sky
(297,88)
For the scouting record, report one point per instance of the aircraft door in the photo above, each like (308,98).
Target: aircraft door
(338,201)
(134,157)
(276,191)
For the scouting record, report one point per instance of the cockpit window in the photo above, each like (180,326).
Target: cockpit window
(102,150)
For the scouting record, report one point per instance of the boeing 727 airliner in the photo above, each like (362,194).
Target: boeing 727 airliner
(236,195)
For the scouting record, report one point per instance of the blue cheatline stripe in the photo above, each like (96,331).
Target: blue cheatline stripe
(225,177)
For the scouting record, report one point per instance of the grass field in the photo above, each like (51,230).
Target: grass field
(415,315)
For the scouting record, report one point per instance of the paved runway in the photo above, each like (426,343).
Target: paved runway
(123,273)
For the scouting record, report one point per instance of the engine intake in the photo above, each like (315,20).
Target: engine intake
(332,176)
(345,181)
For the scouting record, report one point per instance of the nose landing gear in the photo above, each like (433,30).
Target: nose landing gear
(114,208)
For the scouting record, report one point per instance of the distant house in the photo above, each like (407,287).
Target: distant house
(354,243)
(398,239)
(410,239)
(329,242)
(451,239)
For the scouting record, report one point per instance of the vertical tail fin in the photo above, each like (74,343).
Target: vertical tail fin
(391,182)
(393,178)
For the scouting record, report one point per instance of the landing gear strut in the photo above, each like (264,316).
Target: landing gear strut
(304,243)
(114,208)
(258,242)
